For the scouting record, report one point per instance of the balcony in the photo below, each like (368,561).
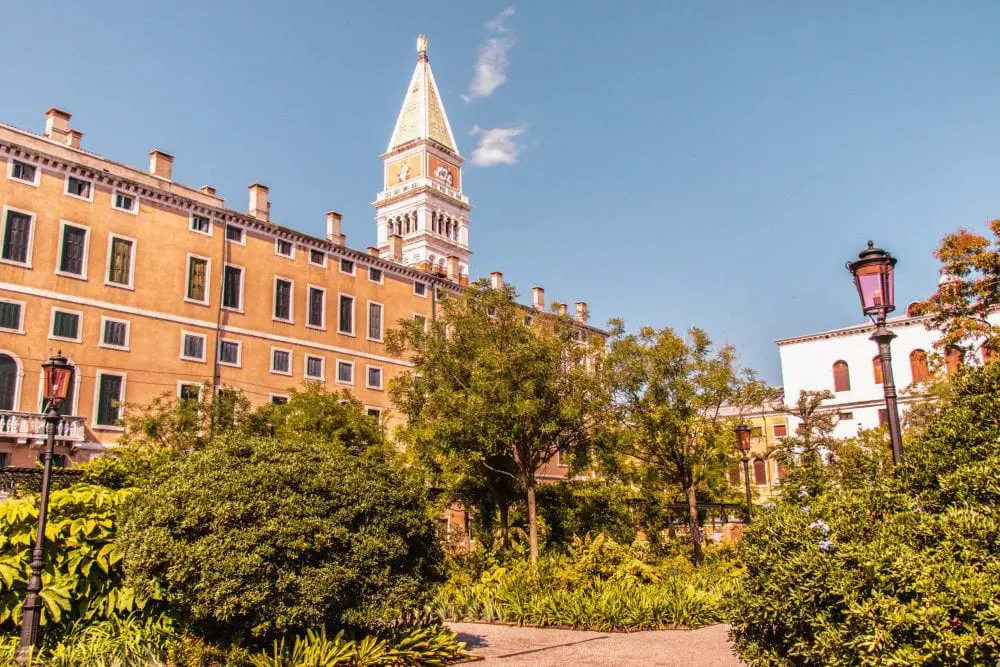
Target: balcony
(25,426)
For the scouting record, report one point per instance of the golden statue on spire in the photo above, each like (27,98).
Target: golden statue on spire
(422,44)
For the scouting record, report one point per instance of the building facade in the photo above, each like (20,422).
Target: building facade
(149,286)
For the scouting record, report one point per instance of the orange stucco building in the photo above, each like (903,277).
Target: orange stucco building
(149,286)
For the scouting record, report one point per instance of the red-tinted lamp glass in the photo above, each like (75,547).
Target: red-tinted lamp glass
(743,433)
(57,376)
(873,279)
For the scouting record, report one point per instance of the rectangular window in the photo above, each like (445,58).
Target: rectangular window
(314,367)
(780,430)
(17,236)
(347,266)
(201,224)
(232,288)
(317,257)
(66,325)
(22,171)
(281,361)
(278,399)
(73,250)
(234,234)
(345,372)
(114,333)
(374,377)
(374,321)
(757,431)
(109,399)
(422,319)
(125,202)
(375,275)
(284,248)
(197,279)
(189,391)
(845,416)
(121,260)
(317,307)
(420,289)
(229,352)
(192,346)
(345,317)
(79,188)
(4,459)
(283,299)
(374,412)
(10,316)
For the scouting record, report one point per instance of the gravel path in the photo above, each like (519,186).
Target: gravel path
(508,646)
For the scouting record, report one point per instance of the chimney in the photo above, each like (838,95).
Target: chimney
(208,190)
(451,267)
(561,308)
(582,313)
(260,208)
(396,248)
(161,164)
(373,251)
(74,138)
(538,298)
(57,124)
(496,280)
(334,232)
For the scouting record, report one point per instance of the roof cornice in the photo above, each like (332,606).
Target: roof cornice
(895,323)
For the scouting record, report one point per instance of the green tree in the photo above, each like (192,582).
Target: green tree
(493,386)
(664,410)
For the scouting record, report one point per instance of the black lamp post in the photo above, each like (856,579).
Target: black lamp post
(743,434)
(57,376)
(873,277)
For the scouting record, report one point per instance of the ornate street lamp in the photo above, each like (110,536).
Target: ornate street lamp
(57,377)
(873,277)
(743,434)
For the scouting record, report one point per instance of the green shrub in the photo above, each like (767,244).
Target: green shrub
(129,641)
(255,538)
(407,646)
(576,509)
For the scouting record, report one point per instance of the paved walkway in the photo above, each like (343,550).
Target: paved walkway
(542,647)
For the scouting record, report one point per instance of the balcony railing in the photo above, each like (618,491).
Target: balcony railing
(31,426)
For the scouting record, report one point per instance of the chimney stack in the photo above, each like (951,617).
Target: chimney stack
(161,164)
(451,267)
(582,313)
(208,190)
(538,298)
(260,207)
(496,280)
(334,232)
(74,138)
(396,248)
(373,251)
(561,308)
(57,124)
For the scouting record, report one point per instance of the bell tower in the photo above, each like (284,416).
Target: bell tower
(421,213)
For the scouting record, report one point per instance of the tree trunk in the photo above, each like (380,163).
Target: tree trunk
(504,526)
(694,524)
(532,521)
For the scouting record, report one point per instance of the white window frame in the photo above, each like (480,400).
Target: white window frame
(189,383)
(38,172)
(31,235)
(239,352)
(243,234)
(775,435)
(243,283)
(76,196)
(114,201)
(211,225)
(128,334)
(79,327)
(271,396)
(381,280)
(559,460)
(204,347)
(86,250)
(20,319)
(354,314)
(322,252)
(291,361)
(208,279)
(380,411)
(381,324)
(277,242)
(101,372)
(322,367)
(291,300)
(309,325)
(131,264)
(415,293)
(381,376)
(337,372)
(418,316)
(354,267)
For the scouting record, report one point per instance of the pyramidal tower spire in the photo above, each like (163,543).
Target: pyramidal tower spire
(421,213)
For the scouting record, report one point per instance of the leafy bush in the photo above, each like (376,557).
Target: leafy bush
(123,642)
(881,567)
(598,584)
(575,509)
(255,538)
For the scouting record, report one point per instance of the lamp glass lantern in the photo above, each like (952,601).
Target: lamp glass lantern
(743,433)
(57,372)
(873,278)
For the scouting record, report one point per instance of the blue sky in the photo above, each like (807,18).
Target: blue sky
(709,164)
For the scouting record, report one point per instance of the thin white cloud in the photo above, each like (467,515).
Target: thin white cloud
(496,146)
(491,62)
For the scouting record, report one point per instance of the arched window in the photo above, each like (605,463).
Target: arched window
(952,359)
(918,365)
(8,382)
(760,471)
(841,376)
(877,369)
